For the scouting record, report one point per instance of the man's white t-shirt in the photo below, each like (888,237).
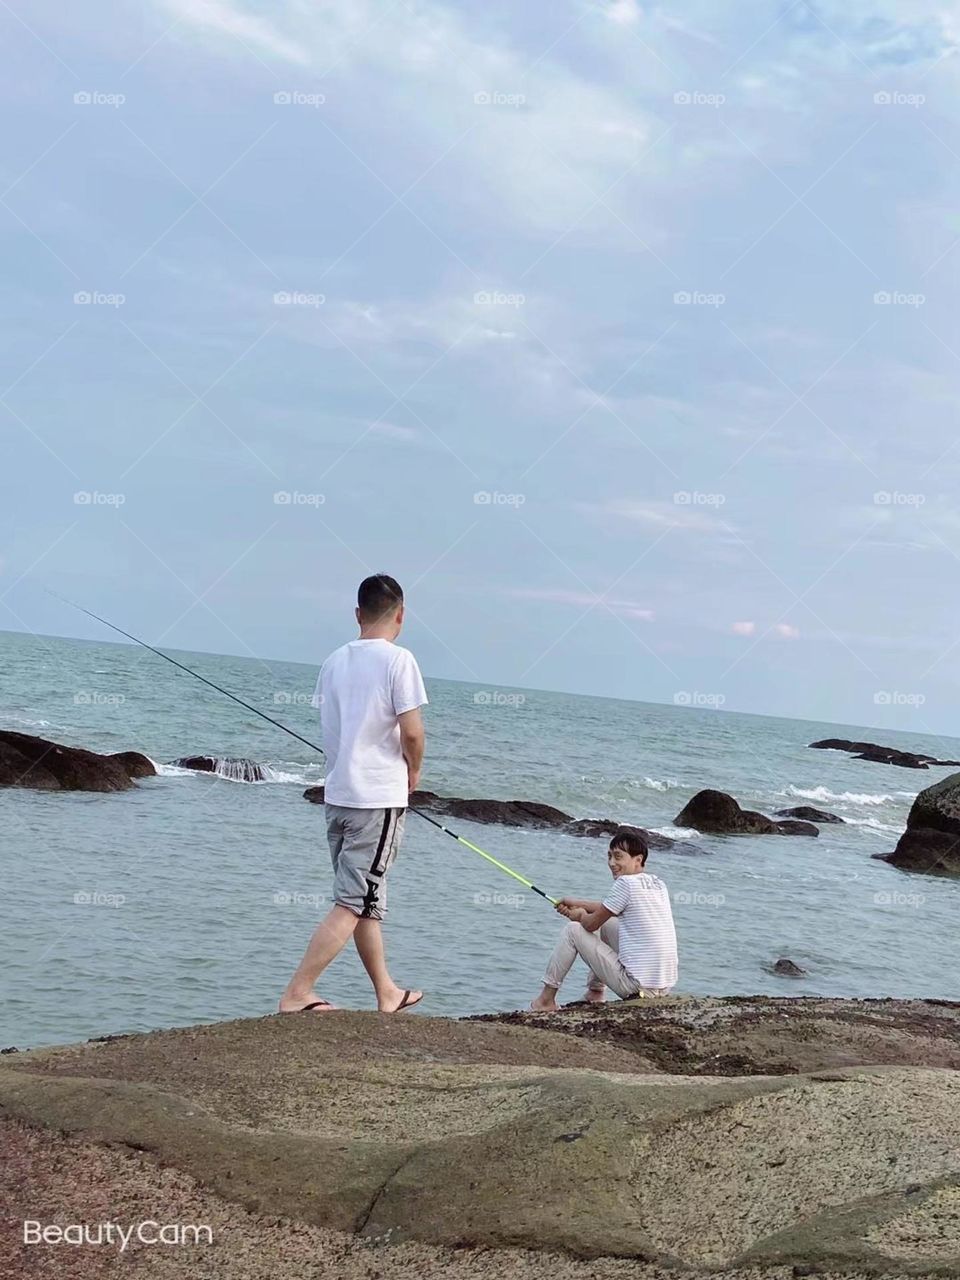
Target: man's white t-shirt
(648,939)
(361,690)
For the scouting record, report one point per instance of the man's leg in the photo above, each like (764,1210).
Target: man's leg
(327,941)
(610,933)
(368,938)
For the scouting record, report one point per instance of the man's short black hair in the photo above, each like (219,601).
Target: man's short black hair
(377,596)
(631,840)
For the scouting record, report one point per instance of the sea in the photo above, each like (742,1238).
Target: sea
(190,898)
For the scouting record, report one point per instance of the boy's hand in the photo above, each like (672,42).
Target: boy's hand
(567,908)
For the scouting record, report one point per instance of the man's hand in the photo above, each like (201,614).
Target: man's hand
(413,780)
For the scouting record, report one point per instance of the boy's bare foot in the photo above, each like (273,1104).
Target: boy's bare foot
(595,997)
(544,1005)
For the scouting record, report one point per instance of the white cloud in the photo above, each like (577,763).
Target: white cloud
(664,515)
(541,146)
(583,599)
(786,631)
(743,628)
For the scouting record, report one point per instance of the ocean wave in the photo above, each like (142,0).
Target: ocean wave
(675,833)
(874,825)
(304,775)
(657,784)
(30,724)
(825,796)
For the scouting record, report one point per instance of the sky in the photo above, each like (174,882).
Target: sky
(624,335)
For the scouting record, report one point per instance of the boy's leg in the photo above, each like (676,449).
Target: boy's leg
(603,960)
(558,966)
(610,933)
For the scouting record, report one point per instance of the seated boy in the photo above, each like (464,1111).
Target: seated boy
(628,940)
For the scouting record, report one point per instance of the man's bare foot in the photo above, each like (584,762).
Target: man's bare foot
(544,1005)
(595,997)
(312,1004)
(397,1000)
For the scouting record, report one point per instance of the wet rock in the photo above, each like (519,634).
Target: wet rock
(136,764)
(809,814)
(882,755)
(716,813)
(795,827)
(525,813)
(931,842)
(225,767)
(787,968)
(41,765)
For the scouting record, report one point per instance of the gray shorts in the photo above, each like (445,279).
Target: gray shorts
(363,844)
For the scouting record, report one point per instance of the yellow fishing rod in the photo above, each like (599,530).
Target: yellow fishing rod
(502,866)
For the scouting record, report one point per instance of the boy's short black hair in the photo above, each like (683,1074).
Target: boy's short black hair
(631,840)
(378,595)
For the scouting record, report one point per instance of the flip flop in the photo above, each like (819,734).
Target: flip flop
(406,1002)
(317,1004)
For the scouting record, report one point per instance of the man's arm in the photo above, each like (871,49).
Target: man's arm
(585,903)
(412,741)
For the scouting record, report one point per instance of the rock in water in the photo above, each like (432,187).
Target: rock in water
(882,755)
(809,814)
(931,841)
(224,767)
(523,813)
(717,813)
(788,968)
(26,761)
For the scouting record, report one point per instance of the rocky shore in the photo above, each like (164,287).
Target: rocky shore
(739,1136)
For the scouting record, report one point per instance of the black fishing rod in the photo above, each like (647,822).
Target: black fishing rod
(293,734)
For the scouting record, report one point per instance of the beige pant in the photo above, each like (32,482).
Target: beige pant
(599,951)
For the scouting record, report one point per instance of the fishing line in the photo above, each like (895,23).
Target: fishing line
(502,866)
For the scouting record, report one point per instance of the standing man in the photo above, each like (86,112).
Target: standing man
(369,693)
